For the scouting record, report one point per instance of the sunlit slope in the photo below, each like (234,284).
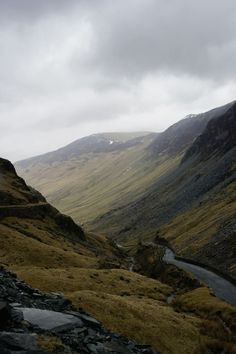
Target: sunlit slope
(51,258)
(102,172)
(90,184)
(179,184)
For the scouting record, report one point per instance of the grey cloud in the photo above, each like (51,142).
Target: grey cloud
(135,36)
(16,11)
(74,67)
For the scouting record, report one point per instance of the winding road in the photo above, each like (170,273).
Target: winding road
(221,287)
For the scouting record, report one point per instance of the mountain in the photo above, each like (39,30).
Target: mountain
(91,176)
(95,274)
(218,137)
(153,185)
(193,205)
(96,143)
(86,178)
(52,253)
(181,135)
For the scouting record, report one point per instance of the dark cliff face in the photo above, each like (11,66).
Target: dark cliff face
(6,166)
(13,189)
(218,137)
(179,137)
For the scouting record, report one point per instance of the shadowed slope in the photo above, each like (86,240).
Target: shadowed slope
(193,205)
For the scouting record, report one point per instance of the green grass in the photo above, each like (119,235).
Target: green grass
(191,231)
(91,185)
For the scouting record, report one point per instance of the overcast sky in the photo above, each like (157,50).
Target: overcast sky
(70,68)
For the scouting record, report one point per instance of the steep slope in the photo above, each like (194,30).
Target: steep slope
(218,137)
(136,191)
(192,206)
(86,178)
(32,322)
(55,258)
(180,136)
(93,175)
(32,231)
(48,257)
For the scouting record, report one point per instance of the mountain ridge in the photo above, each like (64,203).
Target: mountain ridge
(156,187)
(100,142)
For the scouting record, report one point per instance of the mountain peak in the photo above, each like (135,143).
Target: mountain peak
(180,136)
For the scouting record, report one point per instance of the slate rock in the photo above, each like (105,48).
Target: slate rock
(5,315)
(18,341)
(51,320)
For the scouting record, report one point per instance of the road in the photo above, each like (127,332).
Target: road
(221,287)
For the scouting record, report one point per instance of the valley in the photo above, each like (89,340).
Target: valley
(129,196)
(178,185)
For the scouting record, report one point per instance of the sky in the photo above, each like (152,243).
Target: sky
(70,68)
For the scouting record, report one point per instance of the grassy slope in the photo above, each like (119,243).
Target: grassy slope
(193,207)
(126,302)
(92,184)
(41,254)
(54,264)
(130,195)
(196,229)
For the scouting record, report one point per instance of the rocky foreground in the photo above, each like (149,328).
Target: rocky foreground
(32,322)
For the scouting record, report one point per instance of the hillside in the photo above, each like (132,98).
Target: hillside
(180,136)
(192,206)
(94,275)
(91,176)
(151,184)
(86,178)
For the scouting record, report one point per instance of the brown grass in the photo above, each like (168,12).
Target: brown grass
(51,344)
(143,319)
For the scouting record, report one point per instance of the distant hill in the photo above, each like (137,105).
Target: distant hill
(86,178)
(96,143)
(164,184)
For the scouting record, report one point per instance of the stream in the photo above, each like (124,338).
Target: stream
(221,287)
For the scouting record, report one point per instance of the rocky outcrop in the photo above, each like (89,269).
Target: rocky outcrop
(6,166)
(31,321)
(40,211)
(218,137)
(21,201)
(180,136)
(13,189)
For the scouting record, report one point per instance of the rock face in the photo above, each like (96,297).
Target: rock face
(21,201)
(13,189)
(26,314)
(180,136)
(218,137)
